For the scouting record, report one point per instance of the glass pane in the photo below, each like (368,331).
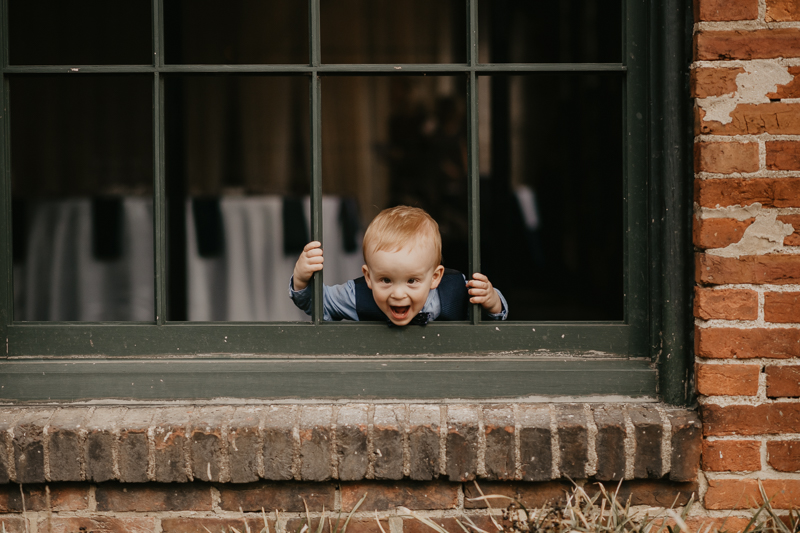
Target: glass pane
(236,31)
(237,186)
(566,31)
(552,194)
(386,31)
(79,32)
(390,141)
(82,173)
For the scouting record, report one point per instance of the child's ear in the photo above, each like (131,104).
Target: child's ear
(438,272)
(365,271)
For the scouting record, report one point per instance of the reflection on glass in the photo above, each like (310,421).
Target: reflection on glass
(79,32)
(390,141)
(236,31)
(81,153)
(386,31)
(566,31)
(237,187)
(551,194)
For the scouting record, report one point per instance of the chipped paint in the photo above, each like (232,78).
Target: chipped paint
(760,78)
(733,211)
(763,236)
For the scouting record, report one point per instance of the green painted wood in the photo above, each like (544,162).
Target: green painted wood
(322,378)
(6,250)
(473,152)
(315,95)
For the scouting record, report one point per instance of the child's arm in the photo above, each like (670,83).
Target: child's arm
(482,292)
(310,261)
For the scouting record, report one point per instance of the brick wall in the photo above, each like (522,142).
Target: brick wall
(746,85)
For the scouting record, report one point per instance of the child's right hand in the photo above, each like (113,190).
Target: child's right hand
(309,262)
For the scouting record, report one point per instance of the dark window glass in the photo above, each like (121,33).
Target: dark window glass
(386,31)
(82,173)
(79,32)
(552,194)
(236,31)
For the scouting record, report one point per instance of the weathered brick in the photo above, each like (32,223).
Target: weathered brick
(171,432)
(727,380)
(707,82)
(769,192)
(244,446)
(777,118)
(647,435)
(658,493)
(782,307)
(610,443)
(783,155)
(28,445)
(535,450)
(315,443)
(701,523)
(100,442)
(783,381)
(685,440)
(198,524)
(757,269)
(206,443)
(283,496)
(745,494)
(98,524)
(726,304)
(66,448)
(279,443)
(16,524)
(335,523)
(423,442)
(387,441)
(450,524)
(794,221)
(8,418)
(462,442)
(725,157)
(500,430)
(133,445)
(385,496)
(721,10)
(765,419)
(783,10)
(732,343)
(731,455)
(789,90)
(61,497)
(718,232)
(573,440)
(351,442)
(747,44)
(784,455)
(153,497)
(531,495)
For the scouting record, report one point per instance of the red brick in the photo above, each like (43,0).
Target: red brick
(383,496)
(744,44)
(784,455)
(783,381)
(794,221)
(766,419)
(779,118)
(782,307)
(63,497)
(283,496)
(725,157)
(783,155)
(731,455)
(783,10)
(727,380)
(98,524)
(718,232)
(356,525)
(719,10)
(153,497)
(789,90)
(728,304)
(732,343)
(758,269)
(769,192)
(201,524)
(14,524)
(707,82)
(732,524)
(412,525)
(744,493)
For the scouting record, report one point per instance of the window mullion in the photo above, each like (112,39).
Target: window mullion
(473,168)
(7,292)
(316,149)
(159,178)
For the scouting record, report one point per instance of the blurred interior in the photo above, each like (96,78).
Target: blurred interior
(238,156)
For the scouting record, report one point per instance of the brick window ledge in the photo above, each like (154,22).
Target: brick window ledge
(348,442)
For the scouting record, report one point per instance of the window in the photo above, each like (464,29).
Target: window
(163,176)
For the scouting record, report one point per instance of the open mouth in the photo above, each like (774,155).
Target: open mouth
(400,312)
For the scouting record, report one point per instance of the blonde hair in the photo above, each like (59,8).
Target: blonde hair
(397,227)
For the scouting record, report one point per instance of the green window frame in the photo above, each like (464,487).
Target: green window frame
(645,355)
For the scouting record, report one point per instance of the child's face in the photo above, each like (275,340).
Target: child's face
(401,280)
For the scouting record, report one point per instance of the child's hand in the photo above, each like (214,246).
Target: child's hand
(482,292)
(309,262)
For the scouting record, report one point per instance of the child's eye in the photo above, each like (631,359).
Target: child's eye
(412,280)
(385,280)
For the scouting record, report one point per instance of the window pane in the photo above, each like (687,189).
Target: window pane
(566,31)
(237,185)
(81,156)
(386,31)
(552,194)
(390,141)
(79,32)
(236,31)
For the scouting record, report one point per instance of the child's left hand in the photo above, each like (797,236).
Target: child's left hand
(482,292)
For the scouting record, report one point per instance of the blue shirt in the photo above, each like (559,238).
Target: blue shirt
(339,302)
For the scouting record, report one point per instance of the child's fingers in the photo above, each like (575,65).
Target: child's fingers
(480,277)
(312,245)
(314,252)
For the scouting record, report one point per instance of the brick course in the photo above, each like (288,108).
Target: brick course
(731,455)
(727,380)
(783,381)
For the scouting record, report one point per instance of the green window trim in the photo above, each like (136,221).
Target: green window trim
(645,356)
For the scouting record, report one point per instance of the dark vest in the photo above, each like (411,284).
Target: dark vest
(452,294)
